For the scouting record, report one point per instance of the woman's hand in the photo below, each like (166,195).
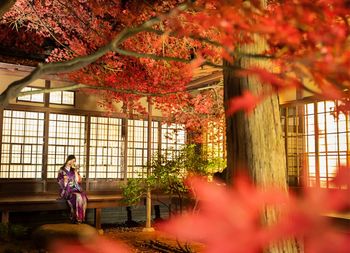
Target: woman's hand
(77,175)
(65,180)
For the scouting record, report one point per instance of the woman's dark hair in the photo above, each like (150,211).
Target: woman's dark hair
(70,157)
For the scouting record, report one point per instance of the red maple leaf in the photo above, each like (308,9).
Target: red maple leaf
(342,177)
(228,219)
(247,102)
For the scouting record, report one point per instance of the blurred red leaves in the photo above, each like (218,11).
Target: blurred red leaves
(247,102)
(229,219)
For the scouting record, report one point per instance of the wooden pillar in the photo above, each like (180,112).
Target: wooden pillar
(317,158)
(157,212)
(125,138)
(5,216)
(87,159)
(149,157)
(1,123)
(97,218)
(46,137)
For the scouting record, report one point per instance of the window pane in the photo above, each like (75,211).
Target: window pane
(32,97)
(66,137)
(106,148)
(22,142)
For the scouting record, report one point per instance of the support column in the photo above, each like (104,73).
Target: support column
(46,137)
(148,227)
(87,159)
(5,216)
(97,218)
(125,143)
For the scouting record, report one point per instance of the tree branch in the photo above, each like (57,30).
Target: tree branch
(48,29)
(6,5)
(168,58)
(92,87)
(107,88)
(151,56)
(211,42)
(71,65)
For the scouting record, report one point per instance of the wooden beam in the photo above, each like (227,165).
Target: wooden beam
(97,218)
(205,80)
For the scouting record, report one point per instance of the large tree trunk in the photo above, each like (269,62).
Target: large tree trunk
(254,141)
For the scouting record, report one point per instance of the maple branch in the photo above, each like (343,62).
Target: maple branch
(108,88)
(6,5)
(79,62)
(72,11)
(152,56)
(85,86)
(48,29)
(169,58)
(311,90)
(211,42)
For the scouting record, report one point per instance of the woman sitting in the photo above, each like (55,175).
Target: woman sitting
(69,181)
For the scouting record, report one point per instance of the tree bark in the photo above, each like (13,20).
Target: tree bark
(254,142)
(6,5)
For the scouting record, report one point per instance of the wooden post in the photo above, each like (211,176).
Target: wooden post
(97,218)
(46,137)
(148,227)
(5,216)
(125,143)
(87,159)
(157,212)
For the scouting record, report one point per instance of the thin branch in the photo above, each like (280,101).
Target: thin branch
(304,87)
(211,42)
(79,62)
(151,56)
(72,11)
(49,30)
(169,58)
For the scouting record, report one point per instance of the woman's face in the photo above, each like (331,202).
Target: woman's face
(71,163)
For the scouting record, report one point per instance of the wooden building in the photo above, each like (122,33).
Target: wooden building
(39,131)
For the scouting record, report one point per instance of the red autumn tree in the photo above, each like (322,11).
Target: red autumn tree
(79,28)
(283,43)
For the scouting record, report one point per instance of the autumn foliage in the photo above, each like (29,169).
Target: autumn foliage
(308,49)
(231,219)
(307,45)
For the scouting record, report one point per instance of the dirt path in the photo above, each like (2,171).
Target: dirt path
(148,242)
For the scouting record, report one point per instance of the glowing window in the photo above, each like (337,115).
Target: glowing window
(137,146)
(62,97)
(214,145)
(317,141)
(39,98)
(22,144)
(106,148)
(66,137)
(173,138)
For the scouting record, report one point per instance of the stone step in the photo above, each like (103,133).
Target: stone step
(46,234)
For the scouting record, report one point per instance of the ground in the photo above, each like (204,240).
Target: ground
(135,238)
(151,241)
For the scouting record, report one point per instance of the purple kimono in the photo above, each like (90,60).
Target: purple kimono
(71,191)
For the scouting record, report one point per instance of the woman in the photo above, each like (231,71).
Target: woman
(70,190)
